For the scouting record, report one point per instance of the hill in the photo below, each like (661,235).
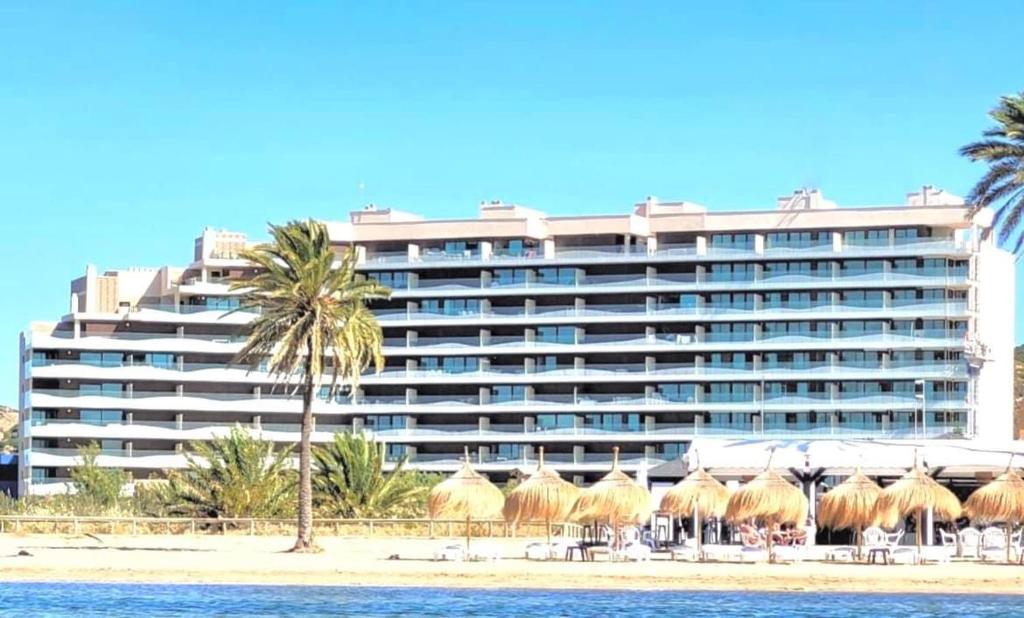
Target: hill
(1018,392)
(8,429)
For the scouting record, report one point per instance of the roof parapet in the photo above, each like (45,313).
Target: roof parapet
(496,209)
(805,199)
(652,206)
(930,196)
(372,214)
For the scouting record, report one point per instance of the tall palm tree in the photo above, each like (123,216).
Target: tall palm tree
(350,480)
(1002,186)
(311,309)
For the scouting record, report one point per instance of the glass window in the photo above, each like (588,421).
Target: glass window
(556,334)
(394,280)
(559,276)
(612,422)
(681,393)
(104,390)
(101,417)
(384,422)
(510,276)
(166,361)
(102,359)
(556,421)
(506,393)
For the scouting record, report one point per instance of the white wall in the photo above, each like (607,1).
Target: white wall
(995,327)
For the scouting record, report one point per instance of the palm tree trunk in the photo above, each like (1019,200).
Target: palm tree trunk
(917,534)
(304,542)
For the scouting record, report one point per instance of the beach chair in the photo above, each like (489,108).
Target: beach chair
(538,551)
(900,553)
(631,547)
(993,545)
(483,551)
(754,546)
(970,542)
(453,552)
(685,551)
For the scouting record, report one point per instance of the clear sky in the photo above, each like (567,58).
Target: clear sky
(125,128)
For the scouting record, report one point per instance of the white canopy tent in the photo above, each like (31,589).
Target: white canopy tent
(943,458)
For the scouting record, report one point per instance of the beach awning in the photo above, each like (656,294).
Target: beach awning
(746,458)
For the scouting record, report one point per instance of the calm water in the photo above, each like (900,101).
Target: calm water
(82,600)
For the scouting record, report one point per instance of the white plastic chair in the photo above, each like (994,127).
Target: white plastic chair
(970,542)
(874,537)
(993,544)
(484,551)
(454,553)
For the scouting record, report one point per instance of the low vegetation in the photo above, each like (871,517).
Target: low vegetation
(242,476)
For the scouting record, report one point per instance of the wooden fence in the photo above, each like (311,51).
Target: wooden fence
(398,528)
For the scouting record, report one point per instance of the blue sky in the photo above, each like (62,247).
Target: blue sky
(125,128)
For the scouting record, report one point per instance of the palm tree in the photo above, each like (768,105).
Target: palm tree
(350,481)
(237,475)
(1002,187)
(310,309)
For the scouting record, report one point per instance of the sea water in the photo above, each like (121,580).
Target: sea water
(80,600)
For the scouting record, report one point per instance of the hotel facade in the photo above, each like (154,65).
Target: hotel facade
(517,330)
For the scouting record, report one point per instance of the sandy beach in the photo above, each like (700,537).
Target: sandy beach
(364,562)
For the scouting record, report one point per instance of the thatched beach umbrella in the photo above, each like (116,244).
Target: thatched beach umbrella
(698,495)
(465,495)
(543,496)
(769,498)
(851,505)
(616,499)
(1001,500)
(913,493)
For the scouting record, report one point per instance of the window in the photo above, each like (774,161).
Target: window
(103,390)
(559,276)
(222,303)
(395,452)
(612,422)
(101,417)
(681,393)
(165,361)
(862,267)
(510,276)
(556,334)
(555,421)
(112,446)
(738,242)
(461,364)
(508,451)
(461,306)
(102,359)
(672,450)
(732,272)
(384,422)
(797,240)
(866,238)
(508,393)
(396,280)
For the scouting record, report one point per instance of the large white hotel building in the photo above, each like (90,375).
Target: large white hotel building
(579,333)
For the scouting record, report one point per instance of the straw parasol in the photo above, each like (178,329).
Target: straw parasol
(615,498)
(544,496)
(1001,500)
(699,495)
(851,505)
(913,493)
(769,498)
(465,495)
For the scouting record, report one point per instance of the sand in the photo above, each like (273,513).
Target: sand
(364,562)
